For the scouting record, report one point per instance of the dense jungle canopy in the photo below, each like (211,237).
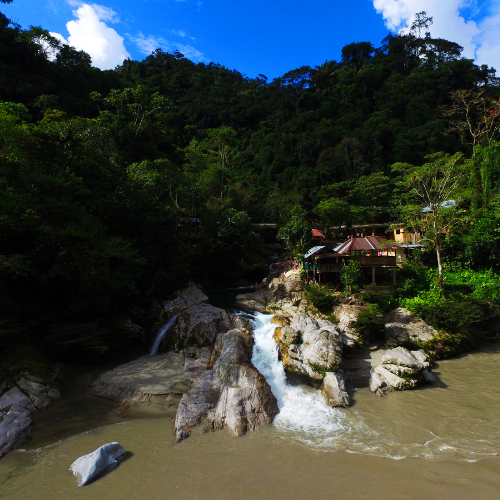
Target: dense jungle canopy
(99,170)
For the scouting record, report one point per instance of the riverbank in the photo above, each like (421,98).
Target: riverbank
(438,442)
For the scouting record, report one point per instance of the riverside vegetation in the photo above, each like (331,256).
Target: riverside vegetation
(104,176)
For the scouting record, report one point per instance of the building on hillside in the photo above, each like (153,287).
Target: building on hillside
(362,230)
(377,259)
(318,236)
(405,235)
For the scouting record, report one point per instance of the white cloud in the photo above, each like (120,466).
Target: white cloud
(448,23)
(480,38)
(150,43)
(181,33)
(489,40)
(89,33)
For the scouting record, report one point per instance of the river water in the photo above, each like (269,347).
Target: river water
(434,442)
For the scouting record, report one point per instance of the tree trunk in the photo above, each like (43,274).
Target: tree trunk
(438,248)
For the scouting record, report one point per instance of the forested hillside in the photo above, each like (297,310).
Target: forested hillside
(100,169)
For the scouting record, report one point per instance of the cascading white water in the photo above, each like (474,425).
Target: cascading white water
(303,410)
(161,334)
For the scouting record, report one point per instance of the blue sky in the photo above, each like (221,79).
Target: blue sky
(267,37)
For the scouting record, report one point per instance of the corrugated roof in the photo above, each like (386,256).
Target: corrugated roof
(313,250)
(360,244)
(317,233)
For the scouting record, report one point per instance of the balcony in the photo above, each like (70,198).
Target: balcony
(376,261)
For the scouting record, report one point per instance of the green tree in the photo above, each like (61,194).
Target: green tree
(297,232)
(435,187)
(351,275)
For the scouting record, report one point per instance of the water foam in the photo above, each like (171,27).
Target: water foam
(305,416)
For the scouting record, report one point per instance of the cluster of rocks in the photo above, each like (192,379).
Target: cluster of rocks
(211,358)
(401,369)
(28,395)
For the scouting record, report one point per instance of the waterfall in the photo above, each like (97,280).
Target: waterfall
(161,334)
(303,410)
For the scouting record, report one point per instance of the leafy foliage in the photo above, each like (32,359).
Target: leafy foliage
(320,297)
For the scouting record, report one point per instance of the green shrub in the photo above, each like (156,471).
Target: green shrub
(370,324)
(320,297)
(385,301)
(462,321)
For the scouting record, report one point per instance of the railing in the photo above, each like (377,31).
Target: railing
(376,261)
(329,268)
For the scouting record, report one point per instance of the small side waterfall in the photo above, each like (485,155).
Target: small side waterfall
(161,334)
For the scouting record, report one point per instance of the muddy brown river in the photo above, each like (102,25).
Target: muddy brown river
(437,442)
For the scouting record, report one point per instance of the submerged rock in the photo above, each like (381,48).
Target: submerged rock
(334,390)
(89,466)
(402,327)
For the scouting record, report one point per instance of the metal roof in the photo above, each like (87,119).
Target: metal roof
(317,233)
(313,250)
(360,244)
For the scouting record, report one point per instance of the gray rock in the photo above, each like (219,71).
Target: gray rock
(402,357)
(378,384)
(320,350)
(187,297)
(42,395)
(245,406)
(402,326)
(141,379)
(394,380)
(422,357)
(283,293)
(15,421)
(198,326)
(428,377)
(347,315)
(88,466)
(334,390)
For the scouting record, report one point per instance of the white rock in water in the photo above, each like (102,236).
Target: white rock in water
(88,466)
(334,391)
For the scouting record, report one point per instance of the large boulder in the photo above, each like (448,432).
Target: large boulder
(41,394)
(318,349)
(227,389)
(15,421)
(194,404)
(284,293)
(347,314)
(246,405)
(198,326)
(401,369)
(334,391)
(403,328)
(89,466)
(189,296)
(142,379)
